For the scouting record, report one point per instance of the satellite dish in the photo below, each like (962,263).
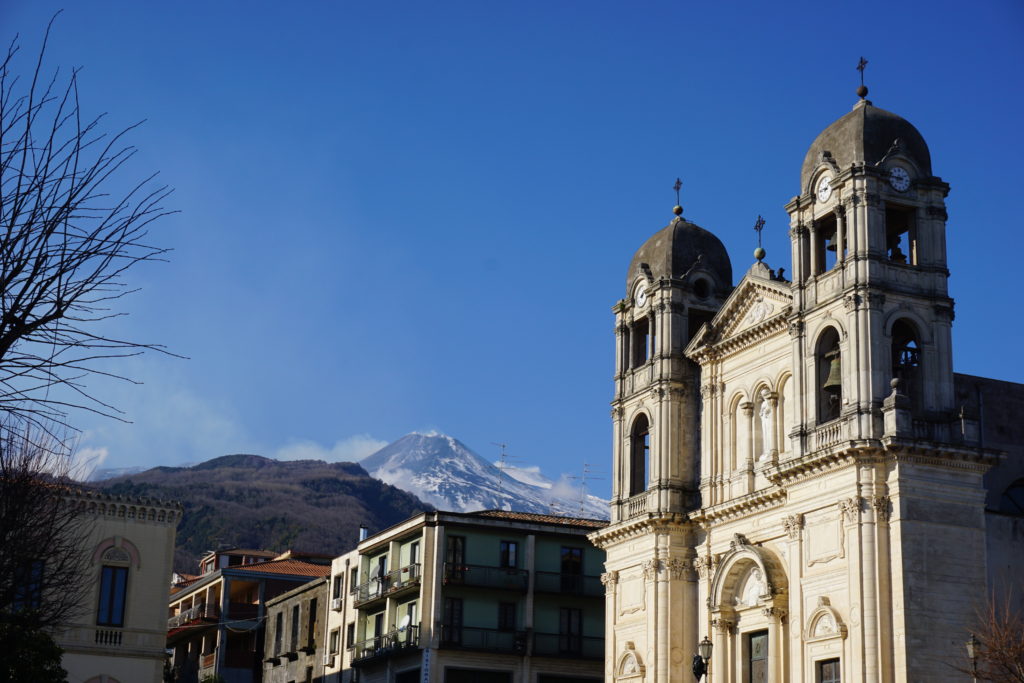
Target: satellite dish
(404,624)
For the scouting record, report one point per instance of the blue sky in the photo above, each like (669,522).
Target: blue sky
(412,216)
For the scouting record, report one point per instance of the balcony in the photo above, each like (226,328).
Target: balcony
(208,660)
(636,505)
(394,582)
(567,645)
(489,639)
(387,645)
(504,578)
(200,613)
(568,584)
(242,610)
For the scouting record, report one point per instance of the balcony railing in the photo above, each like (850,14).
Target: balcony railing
(487,577)
(568,584)
(489,639)
(208,660)
(201,612)
(387,644)
(567,645)
(829,434)
(387,584)
(109,637)
(637,505)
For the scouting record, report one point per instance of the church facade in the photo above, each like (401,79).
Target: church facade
(799,475)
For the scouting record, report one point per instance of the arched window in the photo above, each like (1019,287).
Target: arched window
(906,360)
(829,375)
(640,455)
(641,336)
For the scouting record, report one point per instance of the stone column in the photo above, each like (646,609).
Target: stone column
(840,234)
(610,580)
(815,251)
(748,412)
(776,644)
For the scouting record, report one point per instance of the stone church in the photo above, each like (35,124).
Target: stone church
(799,474)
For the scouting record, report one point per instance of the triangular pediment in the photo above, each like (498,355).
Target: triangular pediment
(760,297)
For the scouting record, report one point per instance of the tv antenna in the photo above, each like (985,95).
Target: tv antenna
(503,460)
(588,475)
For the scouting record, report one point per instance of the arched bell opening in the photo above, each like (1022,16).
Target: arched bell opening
(906,361)
(901,235)
(639,455)
(829,372)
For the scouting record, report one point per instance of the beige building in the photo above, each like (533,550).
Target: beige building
(481,597)
(799,475)
(120,634)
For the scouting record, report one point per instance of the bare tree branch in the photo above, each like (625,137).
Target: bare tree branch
(65,246)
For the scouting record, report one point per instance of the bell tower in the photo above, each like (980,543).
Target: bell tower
(871,303)
(676,283)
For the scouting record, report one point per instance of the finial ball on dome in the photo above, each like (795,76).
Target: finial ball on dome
(677,210)
(759,253)
(862,91)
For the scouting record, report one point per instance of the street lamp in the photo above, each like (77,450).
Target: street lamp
(972,653)
(700,660)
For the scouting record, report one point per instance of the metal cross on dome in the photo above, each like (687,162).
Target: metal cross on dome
(677,187)
(758,227)
(860,67)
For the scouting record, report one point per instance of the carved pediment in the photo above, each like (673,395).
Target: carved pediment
(758,298)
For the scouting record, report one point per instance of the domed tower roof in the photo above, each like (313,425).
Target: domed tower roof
(674,251)
(866,135)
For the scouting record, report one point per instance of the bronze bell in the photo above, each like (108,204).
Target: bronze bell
(834,382)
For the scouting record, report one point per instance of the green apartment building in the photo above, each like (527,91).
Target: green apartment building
(492,596)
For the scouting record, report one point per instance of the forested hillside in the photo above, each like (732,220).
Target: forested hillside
(255,502)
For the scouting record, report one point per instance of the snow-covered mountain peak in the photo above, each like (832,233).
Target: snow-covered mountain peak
(446,473)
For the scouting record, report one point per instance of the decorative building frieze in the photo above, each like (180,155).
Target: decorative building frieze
(738,541)
(772,612)
(679,569)
(723,626)
(849,507)
(882,506)
(651,569)
(793,524)
(706,565)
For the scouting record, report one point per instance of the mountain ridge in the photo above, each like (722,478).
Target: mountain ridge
(444,472)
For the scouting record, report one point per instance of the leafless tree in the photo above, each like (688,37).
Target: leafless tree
(998,642)
(43,563)
(67,240)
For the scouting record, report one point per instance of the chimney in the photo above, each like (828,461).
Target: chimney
(363,532)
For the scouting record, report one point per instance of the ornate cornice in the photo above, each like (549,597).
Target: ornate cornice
(658,523)
(752,503)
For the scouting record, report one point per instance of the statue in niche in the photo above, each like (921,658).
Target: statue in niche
(766,425)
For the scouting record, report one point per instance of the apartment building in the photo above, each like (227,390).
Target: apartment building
(483,597)
(216,622)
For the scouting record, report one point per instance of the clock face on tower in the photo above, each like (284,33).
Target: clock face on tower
(824,188)
(899,179)
(641,295)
